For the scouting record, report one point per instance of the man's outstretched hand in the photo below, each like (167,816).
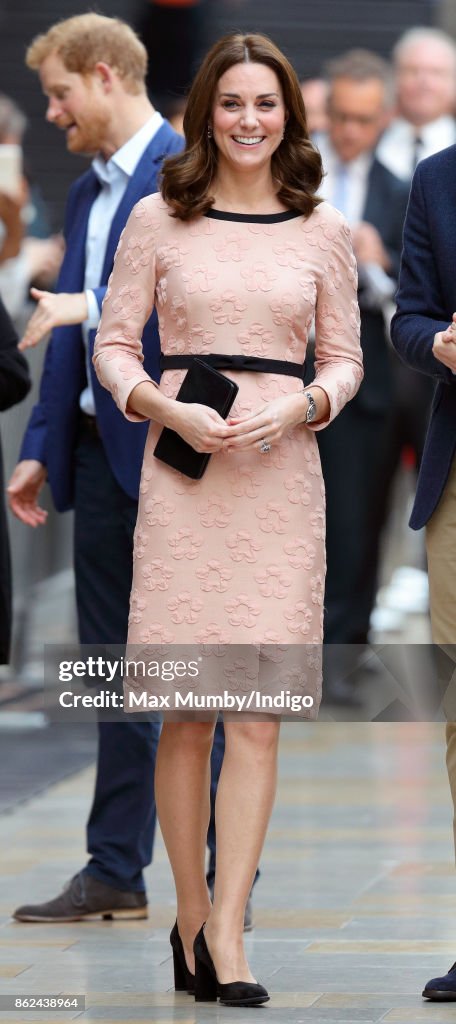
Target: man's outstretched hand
(53,310)
(23,491)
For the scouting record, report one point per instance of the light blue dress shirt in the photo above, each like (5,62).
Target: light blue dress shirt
(113,176)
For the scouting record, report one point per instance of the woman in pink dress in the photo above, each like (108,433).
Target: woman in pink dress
(238,256)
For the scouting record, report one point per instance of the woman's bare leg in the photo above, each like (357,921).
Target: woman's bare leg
(182,794)
(245,797)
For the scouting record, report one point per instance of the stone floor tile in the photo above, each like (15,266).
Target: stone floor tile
(432,1013)
(358,863)
(389,946)
(13,970)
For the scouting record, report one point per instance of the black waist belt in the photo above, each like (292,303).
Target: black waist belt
(238,362)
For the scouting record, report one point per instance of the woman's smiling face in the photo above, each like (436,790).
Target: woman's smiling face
(248,116)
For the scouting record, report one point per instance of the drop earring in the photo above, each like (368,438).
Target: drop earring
(209,131)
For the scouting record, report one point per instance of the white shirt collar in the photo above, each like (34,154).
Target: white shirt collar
(352,201)
(360,167)
(442,128)
(396,149)
(127,157)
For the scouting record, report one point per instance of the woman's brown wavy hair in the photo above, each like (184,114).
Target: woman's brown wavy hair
(296,164)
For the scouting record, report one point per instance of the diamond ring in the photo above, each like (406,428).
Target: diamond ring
(264,446)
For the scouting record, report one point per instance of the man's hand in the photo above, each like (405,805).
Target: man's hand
(53,311)
(23,490)
(444,347)
(368,246)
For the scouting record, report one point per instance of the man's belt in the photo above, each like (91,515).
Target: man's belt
(89,423)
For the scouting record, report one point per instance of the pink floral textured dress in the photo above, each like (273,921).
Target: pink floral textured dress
(237,557)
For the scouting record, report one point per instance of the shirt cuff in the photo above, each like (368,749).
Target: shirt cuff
(93,316)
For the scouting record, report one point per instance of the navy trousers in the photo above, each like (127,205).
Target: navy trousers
(121,825)
(351,452)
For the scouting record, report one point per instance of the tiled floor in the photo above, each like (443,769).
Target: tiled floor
(355,909)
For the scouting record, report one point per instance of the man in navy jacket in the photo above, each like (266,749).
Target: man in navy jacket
(92,70)
(424,334)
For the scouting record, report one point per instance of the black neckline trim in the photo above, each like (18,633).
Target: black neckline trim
(253,218)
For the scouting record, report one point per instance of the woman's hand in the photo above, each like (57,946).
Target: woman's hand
(269,423)
(200,426)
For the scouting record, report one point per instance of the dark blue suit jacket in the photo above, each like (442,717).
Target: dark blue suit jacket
(426,301)
(51,433)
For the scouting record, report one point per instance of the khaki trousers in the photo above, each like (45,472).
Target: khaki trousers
(441,552)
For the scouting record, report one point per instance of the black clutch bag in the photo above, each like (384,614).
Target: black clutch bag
(206,386)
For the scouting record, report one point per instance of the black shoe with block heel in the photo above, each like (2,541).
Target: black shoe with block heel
(184,980)
(207,987)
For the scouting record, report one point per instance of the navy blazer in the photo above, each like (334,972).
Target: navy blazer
(51,433)
(426,301)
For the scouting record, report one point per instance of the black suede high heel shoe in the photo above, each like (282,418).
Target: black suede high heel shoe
(184,980)
(207,986)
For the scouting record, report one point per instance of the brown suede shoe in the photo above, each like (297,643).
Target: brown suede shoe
(83,899)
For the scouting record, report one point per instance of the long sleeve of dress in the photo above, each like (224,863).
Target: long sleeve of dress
(338,354)
(127,305)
